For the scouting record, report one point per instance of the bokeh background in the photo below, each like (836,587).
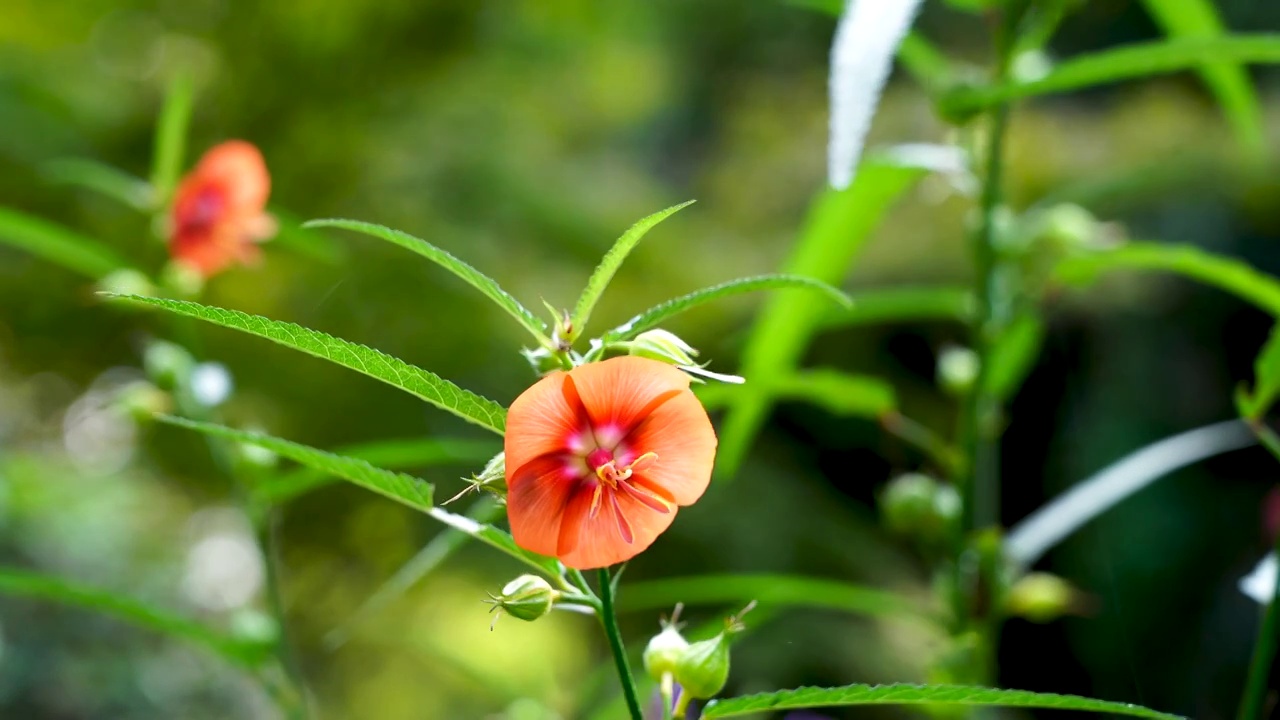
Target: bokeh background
(525,136)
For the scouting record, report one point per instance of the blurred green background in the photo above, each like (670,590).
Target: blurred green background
(524,136)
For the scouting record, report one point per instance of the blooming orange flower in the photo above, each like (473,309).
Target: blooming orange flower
(218,210)
(599,458)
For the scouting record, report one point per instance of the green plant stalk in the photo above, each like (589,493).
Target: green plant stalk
(1255,690)
(609,618)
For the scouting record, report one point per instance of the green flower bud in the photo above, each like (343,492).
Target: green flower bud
(142,400)
(1069,228)
(1042,597)
(542,360)
(168,365)
(182,279)
(703,667)
(663,346)
(957,370)
(528,598)
(126,282)
(665,649)
(492,479)
(919,507)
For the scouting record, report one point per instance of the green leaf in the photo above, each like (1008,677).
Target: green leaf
(1229,82)
(24,583)
(768,590)
(1229,274)
(659,314)
(470,275)
(609,265)
(394,454)
(838,226)
(904,304)
(1013,355)
(402,488)
(171,137)
(1118,64)
(393,371)
(58,244)
(292,236)
(904,694)
(837,392)
(1266,379)
(102,178)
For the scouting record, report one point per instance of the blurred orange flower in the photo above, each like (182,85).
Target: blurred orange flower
(599,458)
(219,208)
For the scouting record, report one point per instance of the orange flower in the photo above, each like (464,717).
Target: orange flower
(218,210)
(599,458)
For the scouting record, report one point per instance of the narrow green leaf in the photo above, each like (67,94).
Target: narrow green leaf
(1229,82)
(1229,274)
(838,226)
(1122,63)
(904,304)
(495,538)
(58,244)
(1266,379)
(24,583)
(102,178)
(171,137)
(1013,355)
(612,260)
(768,590)
(837,392)
(292,236)
(470,275)
(659,314)
(904,694)
(393,371)
(393,454)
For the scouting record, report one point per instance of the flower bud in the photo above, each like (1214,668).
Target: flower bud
(663,346)
(1042,597)
(919,507)
(126,282)
(703,668)
(168,365)
(1069,228)
(664,650)
(528,598)
(492,479)
(183,279)
(957,370)
(142,400)
(542,360)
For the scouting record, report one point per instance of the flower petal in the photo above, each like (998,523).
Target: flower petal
(542,421)
(620,392)
(593,542)
(680,433)
(238,168)
(537,497)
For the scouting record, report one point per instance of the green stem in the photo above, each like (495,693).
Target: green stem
(1255,689)
(609,618)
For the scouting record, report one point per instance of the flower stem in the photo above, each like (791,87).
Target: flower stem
(609,618)
(1252,704)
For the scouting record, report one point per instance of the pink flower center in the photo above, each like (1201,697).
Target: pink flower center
(605,466)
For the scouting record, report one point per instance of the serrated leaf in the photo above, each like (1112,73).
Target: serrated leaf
(393,454)
(1117,64)
(837,392)
(612,260)
(769,590)
(24,583)
(104,179)
(1229,274)
(58,244)
(1013,355)
(378,365)
(405,489)
(905,694)
(1229,82)
(171,136)
(659,314)
(838,226)
(473,277)
(904,304)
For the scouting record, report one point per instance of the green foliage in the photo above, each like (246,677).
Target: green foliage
(1229,274)
(58,244)
(1229,82)
(838,392)
(904,694)
(469,274)
(903,305)
(659,314)
(609,265)
(769,590)
(103,179)
(1012,356)
(1266,380)
(171,137)
(393,371)
(838,226)
(23,583)
(1118,64)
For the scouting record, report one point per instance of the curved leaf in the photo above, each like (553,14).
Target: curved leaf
(410,452)
(102,178)
(391,370)
(768,590)
(469,274)
(24,583)
(658,314)
(904,694)
(1013,355)
(1122,63)
(171,136)
(612,260)
(58,244)
(904,304)
(1229,274)
(837,392)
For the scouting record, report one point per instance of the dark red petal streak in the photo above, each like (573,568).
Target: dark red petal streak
(680,433)
(537,498)
(541,421)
